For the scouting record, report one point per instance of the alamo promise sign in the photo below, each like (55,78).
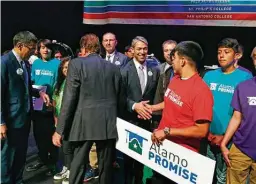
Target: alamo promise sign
(169,159)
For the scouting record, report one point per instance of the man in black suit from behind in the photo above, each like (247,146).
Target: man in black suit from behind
(89,110)
(109,43)
(16,106)
(139,83)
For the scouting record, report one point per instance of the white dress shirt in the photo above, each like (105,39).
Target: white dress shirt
(111,59)
(137,65)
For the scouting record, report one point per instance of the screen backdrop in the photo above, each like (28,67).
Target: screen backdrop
(171,12)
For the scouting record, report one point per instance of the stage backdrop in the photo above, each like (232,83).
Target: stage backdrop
(166,12)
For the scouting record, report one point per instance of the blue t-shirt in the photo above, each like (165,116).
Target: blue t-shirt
(223,87)
(45,73)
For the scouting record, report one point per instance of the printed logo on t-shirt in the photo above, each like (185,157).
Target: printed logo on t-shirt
(222,88)
(213,86)
(173,97)
(226,88)
(252,100)
(44,72)
(37,72)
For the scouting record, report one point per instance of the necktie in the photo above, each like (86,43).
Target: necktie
(142,78)
(108,58)
(25,76)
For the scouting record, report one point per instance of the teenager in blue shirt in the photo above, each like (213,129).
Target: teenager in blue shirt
(222,82)
(44,73)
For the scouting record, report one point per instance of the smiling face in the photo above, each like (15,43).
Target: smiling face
(65,69)
(227,56)
(140,51)
(45,52)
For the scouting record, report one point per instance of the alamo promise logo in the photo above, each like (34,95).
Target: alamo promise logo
(135,142)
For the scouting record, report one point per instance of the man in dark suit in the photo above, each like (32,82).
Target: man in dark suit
(89,110)
(109,43)
(139,83)
(16,106)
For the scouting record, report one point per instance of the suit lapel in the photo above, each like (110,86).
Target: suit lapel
(136,76)
(149,78)
(16,66)
(116,59)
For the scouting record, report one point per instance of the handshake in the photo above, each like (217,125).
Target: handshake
(144,110)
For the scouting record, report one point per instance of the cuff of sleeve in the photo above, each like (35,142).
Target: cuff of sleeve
(2,123)
(133,106)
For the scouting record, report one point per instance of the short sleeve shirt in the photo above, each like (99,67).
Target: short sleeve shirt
(244,101)
(186,101)
(222,87)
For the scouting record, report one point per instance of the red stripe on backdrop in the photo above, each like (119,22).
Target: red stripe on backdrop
(188,16)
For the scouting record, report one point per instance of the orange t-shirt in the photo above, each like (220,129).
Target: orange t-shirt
(186,101)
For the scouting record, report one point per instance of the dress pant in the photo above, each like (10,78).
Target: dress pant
(43,126)
(82,149)
(13,154)
(68,153)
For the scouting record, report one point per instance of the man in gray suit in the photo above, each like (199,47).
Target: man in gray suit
(109,43)
(89,110)
(139,83)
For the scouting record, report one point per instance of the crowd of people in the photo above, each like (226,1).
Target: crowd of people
(84,96)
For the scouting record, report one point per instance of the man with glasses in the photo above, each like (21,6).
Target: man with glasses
(109,43)
(16,106)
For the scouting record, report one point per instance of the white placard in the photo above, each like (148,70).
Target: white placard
(38,103)
(170,159)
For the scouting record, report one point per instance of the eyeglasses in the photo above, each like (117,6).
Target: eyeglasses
(31,48)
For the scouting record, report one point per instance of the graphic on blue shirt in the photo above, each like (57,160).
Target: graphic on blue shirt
(222,87)
(45,73)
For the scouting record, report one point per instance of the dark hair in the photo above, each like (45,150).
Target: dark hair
(127,48)
(47,43)
(90,42)
(190,49)
(241,49)
(229,43)
(25,37)
(57,51)
(60,77)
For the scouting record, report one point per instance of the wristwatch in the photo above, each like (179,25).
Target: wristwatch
(167,131)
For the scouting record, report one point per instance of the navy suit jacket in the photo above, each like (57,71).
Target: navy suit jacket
(14,96)
(131,85)
(120,60)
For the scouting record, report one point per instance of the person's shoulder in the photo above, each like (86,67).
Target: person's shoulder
(5,58)
(200,84)
(213,72)
(244,69)
(242,72)
(121,55)
(37,62)
(128,66)
(246,83)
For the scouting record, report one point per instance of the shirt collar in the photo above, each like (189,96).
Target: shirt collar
(111,55)
(137,64)
(16,55)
